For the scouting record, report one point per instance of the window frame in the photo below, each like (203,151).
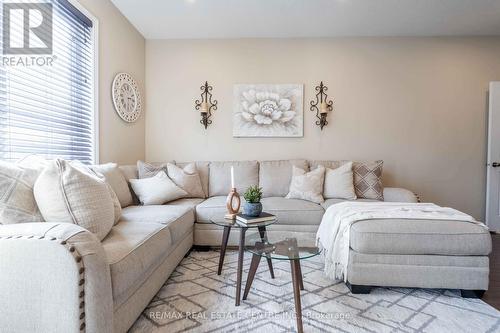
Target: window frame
(95,76)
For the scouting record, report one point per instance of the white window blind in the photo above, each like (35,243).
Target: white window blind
(49,110)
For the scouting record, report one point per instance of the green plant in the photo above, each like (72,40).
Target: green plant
(253,194)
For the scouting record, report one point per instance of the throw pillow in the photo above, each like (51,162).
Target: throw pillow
(115,178)
(157,190)
(188,179)
(307,185)
(339,183)
(17,202)
(117,207)
(147,170)
(368,180)
(68,193)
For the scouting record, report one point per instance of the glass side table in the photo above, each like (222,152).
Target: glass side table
(287,249)
(227,224)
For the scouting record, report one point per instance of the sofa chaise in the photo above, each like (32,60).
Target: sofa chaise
(58,277)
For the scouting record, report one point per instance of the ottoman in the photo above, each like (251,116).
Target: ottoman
(419,254)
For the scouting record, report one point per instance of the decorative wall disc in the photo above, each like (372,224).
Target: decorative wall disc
(126,97)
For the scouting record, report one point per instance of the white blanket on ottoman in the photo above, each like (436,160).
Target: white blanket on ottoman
(333,232)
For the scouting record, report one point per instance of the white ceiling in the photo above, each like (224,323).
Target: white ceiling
(166,19)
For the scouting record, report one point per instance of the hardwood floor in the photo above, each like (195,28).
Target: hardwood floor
(492,296)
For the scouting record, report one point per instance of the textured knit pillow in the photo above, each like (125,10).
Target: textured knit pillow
(67,194)
(115,178)
(339,183)
(368,180)
(157,190)
(307,185)
(17,203)
(147,170)
(188,179)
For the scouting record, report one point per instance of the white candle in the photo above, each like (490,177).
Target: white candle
(323,108)
(232,176)
(204,107)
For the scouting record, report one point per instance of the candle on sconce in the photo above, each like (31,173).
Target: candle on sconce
(323,108)
(204,107)
(232,177)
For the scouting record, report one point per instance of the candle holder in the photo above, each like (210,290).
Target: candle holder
(232,198)
(324,105)
(206,105)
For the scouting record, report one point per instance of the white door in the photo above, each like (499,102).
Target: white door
(493,166)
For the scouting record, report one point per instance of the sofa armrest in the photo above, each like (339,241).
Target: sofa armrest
(53,278)
(395,194)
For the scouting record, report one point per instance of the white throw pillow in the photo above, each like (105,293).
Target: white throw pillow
(188,179)
(69,193)
(307,185)
(157,190)
(115,178)
(117,207)
(17,203)
(339,183)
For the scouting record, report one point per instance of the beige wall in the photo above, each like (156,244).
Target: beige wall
(121,49)
(417,103)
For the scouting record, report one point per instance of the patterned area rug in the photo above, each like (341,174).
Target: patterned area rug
(196,299)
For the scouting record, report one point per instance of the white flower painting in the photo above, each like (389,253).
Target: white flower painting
(268,110)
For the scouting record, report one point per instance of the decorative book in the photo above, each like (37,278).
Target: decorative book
(263,217)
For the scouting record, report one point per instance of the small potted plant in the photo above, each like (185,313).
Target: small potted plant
(252,196)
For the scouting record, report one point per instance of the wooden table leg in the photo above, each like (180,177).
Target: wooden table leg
(263,237)
(241,253)
(251,274)
(299,273)
(295,265)
(223,246)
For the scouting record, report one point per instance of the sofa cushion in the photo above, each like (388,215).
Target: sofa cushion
(293,211)
(115,178)
(178,218)
(157,190)
(368,180)
(275,176)
(203,170)
(147,170)
(246,174)
(17,202)
(412,236)
(129,171)
(327,203)
(72,193)
(307,185)
(133,251)
(327,164)
(188,202)
(186,178)
(213,206)
(339,183)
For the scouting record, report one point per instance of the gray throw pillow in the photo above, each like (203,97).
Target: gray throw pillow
(368,180)
(147,170)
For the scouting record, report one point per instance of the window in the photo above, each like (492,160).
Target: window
(47,107)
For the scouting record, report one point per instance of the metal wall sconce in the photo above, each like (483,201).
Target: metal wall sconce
(206,105)
(322,106)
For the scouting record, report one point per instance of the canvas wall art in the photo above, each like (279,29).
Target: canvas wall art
(268,110)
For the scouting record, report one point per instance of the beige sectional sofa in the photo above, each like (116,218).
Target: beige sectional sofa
(58,277)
